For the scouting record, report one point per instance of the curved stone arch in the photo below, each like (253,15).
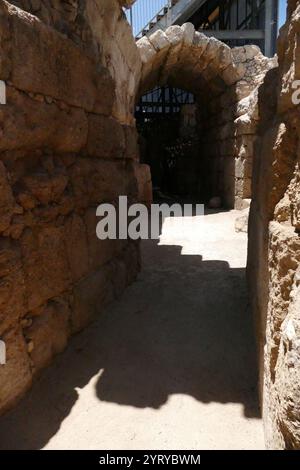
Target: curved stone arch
(224,81)
(187,59)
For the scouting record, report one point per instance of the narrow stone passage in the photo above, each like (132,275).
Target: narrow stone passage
(172,366)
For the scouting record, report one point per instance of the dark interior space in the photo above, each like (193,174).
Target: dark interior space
(169,125)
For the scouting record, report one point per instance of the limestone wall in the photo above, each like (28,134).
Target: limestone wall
(70,70)
(230,128)
(225,83)
(274,245)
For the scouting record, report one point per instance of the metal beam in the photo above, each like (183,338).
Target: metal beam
(178,14)
(225,35)
(270,12)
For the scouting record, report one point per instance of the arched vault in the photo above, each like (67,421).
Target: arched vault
(225,83)
(189,60)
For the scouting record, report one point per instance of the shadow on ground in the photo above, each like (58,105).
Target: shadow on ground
(183,327)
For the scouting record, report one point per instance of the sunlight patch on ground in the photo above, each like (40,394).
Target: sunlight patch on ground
(209,234)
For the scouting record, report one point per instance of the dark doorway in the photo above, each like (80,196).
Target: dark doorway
(169,125)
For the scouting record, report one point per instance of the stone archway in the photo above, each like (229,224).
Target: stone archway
(225,81)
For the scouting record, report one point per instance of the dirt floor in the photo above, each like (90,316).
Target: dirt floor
(170,366)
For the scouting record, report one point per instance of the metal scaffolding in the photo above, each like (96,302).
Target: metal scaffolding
(161,101)
(236,22)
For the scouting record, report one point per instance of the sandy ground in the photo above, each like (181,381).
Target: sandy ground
(170,366)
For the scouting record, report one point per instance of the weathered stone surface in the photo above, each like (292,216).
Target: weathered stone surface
(28,123)
(175,35)
(45,264)
(233,74)
(248,105)
(12,287)
(46,188)
(7,201)
(90,296)
(146,49)
(251,51)
(131,143)
(144,183)
(159,40)
(99,251)
(113,38)
(126,3)
(76,243)
(95,181)
(288,377)
(274,249)
(188,33)
(245,125)
(48,334)
(36,70)
(106,137)
(15,377)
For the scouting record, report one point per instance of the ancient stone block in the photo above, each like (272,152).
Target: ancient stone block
(146,49)
(251,51)
(159,40)
(95,181)
(7,201)
(76,243)
(45,264)
(175,35)
(15,377)
(30,124)
(49,332)
(245,125)
(144,183)
(105,137)
(66,73)
(46,188)
(12,288)
(243,187)
(243,168)
(131,140)
(233,73)
(90,296)
(188,33)
(99,251)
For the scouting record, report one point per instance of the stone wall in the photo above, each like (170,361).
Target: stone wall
(70,70)
(274,244)
(99,28)
(230,129)
(225,83)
